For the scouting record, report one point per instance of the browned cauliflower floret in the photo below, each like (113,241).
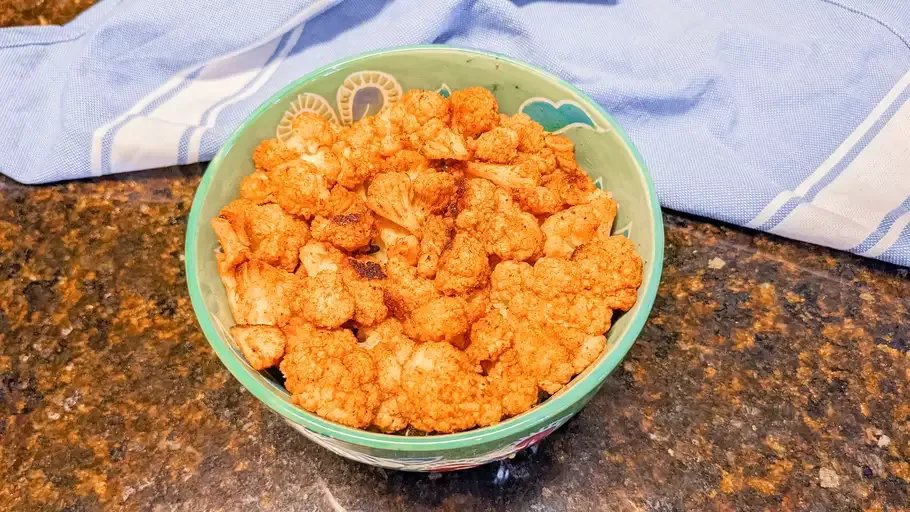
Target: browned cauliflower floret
(327,373)
(316,257)
(463,267)
(365,280)
(262,345)
(359,150)
(538,200)
(544,359)
(433,192)
(511,177)
(261,294)
(442,319)
(300,189)
(477,303)
(422,106)
(437,235)
(614,269)
(587,351)
(571,187)
(490,337)
(396,242)
(530,133)
(390,196)
(406,291)
(407,161)
(557,314)
(309,132)
(564,151)
(517,390)
(444,394)
(394,196)
(346,222)
(474,111)
(262,232)
(513,235)
(436,141)
(325,301)
(271,153)
(492,217)
(578,225)
(499,145)
(258,187)
(562,300)
(390,349)
(326,163)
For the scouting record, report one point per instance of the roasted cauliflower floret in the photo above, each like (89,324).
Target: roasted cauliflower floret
(463,267)
(558,314)
(578,225)
(433,192)
(517,391)
(531,134)
(437,235)
(390,196)
(571,187)
(538,200)
(263,232)
(346,222)
(408,203)
(262,345)
(511,177)
(499,145)
(406,291)
(443,392)
(258,187)
(309,132)
(564,151)
(261,294)
(326,163)
(436,141)
(390,349)
(477,303)
(271,153)
(359,150)
(544,359)
(325,302)
(423,106)
(442,319)
(327,373)
(407,161)
(490,337)
(396,242)
(365,280)
(316,257)
(489,214)
(299,188)
(614,269)
(474,111)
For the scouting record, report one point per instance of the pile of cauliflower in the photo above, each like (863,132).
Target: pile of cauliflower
(436,265)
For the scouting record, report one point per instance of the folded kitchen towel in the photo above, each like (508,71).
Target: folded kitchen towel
(789,116)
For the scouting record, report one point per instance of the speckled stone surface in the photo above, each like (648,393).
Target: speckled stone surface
(772,375)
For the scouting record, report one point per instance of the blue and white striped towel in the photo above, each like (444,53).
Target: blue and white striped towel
(790,116)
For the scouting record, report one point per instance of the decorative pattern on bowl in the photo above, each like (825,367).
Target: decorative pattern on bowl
(365,93)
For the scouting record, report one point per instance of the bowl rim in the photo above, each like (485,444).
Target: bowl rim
(552,408)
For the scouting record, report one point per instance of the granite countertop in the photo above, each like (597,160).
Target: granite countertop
(772,375)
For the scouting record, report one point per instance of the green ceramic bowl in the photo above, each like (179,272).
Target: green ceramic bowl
(346,91)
